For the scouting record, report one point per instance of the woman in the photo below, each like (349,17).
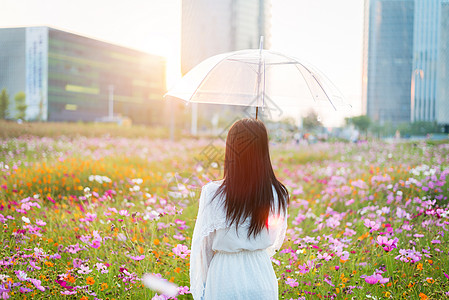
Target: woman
(241,222)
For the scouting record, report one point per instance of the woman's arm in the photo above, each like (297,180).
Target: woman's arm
(201,249)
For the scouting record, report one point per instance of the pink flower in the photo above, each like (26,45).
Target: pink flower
(179,236)
(68,292)
(124,213)
(376,278)
(37,284)
(371,224)
(101,267)
(181,250)
(183,290)
(291,282)
(137,257)
(41,223)
(387,244)
(95,244)
(84,269)
(325,256)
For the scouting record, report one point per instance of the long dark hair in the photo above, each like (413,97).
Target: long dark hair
(248,176)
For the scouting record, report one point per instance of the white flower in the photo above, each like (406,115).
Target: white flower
(160,285)
(3,277)
(137,181)
(26,220)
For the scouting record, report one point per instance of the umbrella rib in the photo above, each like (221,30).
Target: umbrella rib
(313,76)
(208,72)
(275,63)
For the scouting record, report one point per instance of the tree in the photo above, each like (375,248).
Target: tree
(362,123)
(4,104)
(21,105)
(311,121)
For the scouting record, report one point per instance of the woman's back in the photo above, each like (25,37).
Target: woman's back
(241,266)
(229,239)
(241,222)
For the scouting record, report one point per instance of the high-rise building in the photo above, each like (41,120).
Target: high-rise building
(68,77)
(403,69)
(425,58)
(387,65)
(211,27)
(442,103)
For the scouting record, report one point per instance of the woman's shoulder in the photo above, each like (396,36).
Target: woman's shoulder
(209,190)
(214,184)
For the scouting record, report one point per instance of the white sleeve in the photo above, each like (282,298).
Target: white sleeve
(277,227)
(201,250)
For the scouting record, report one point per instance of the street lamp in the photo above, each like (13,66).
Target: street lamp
(412,92)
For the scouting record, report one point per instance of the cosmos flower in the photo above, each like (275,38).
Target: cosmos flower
(291,282)
(181,250)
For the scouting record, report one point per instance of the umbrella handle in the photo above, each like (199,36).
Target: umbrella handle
(257,111)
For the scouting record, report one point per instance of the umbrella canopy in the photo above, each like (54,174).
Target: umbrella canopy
(251,77)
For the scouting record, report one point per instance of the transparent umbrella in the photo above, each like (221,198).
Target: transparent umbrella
(251,77)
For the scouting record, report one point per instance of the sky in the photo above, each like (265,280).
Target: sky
(326,33)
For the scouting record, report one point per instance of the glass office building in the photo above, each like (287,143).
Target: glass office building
(405,61)
(388,52)
(68,77)
(211,27)
(425,59)
(442,99)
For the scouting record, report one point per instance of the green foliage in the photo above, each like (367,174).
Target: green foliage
(73,130)
(4,103)
(379,130)
(311,121)
(21,105)
(362,123)
(420,128)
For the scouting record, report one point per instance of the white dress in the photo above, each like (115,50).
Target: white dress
(227,265)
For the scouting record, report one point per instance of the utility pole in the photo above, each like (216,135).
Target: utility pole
(111,102)
(194,125)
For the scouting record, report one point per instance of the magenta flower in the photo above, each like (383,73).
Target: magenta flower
(387,244)
(51,199)
(95,244)
(64,284)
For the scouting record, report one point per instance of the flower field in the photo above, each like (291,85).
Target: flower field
(86,218)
